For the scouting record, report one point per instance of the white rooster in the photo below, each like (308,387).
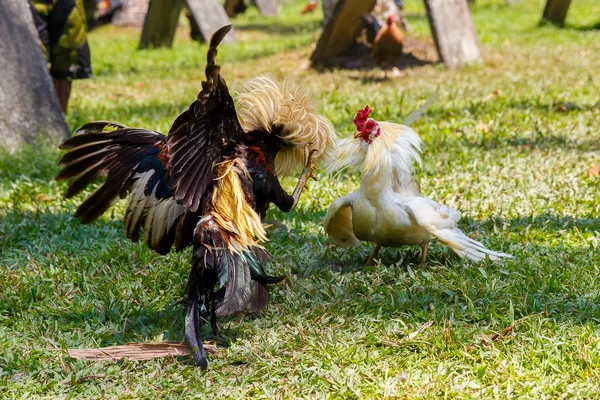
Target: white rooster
(388,209)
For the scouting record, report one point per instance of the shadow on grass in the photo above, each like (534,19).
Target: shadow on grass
(593,27)
(280,27)
(542,276)
(417,52)
(32,161)
(541,142)
(374,292)
(480,107)
(571,27)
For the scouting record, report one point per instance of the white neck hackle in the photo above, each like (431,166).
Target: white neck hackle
(388,161)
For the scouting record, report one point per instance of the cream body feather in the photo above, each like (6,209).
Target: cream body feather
(263,104)
(388,209)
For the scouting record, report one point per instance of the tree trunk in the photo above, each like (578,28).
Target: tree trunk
(28,104)
(133,13)
(556,11)
(341,29)
(163,15)
(234,7)
(210,17)
(328,10)
(453,31)
(161,23)
(266,7)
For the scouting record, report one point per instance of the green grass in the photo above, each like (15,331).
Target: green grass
(515,165)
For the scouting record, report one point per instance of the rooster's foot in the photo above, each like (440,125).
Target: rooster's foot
(424,253)
(192,334)
(371,259)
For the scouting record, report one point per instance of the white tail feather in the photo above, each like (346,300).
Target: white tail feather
(464,246)
(441,222)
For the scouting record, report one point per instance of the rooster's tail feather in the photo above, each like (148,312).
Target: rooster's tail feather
(464,246)
(236,272)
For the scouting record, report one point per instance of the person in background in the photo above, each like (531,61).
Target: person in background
(62,30)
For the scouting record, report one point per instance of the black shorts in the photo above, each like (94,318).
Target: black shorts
(61,25)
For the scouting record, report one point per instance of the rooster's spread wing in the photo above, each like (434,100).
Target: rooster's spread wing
(94,152)
(338,222)
(134,162)
(203,135)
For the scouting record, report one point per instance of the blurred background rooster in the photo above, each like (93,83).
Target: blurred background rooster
(207,184)
(386,41)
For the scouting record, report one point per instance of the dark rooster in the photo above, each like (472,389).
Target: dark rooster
(207,184)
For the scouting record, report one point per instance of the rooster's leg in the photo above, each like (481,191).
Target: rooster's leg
(213,316)
(197,298)
(371,259)
(192,333)
(307,173)
(424,252)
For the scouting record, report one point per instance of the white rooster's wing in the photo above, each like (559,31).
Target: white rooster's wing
(441,221)
(338,222)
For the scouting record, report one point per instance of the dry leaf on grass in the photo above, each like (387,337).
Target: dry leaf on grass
(484,128)
(138,351)
(565,107)
(595,170)
(490,96)
(422,329)
(487,340)
(411,335)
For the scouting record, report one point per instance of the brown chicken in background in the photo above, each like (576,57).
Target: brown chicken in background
(310,7)
(387,45)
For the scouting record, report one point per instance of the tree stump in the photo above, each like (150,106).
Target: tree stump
(453,31)
(556,11)
(162,17)
(29,107)
(266,7)
(341,29)
(210,16)
(133,13)
(328,10)
(161,23)
(234,7)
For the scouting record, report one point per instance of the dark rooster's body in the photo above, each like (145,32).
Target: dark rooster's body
(207,185)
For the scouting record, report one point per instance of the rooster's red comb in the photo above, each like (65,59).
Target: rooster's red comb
(361,117)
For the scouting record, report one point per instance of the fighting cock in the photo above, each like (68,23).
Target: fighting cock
(207,184)
(388,209)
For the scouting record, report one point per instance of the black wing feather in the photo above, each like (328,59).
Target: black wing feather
(203,135)
(94,153)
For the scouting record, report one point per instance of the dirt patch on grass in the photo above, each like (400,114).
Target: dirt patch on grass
(416,51)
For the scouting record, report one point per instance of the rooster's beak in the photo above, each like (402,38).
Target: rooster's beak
(357,134)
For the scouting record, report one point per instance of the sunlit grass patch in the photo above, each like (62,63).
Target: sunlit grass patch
(511,142)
